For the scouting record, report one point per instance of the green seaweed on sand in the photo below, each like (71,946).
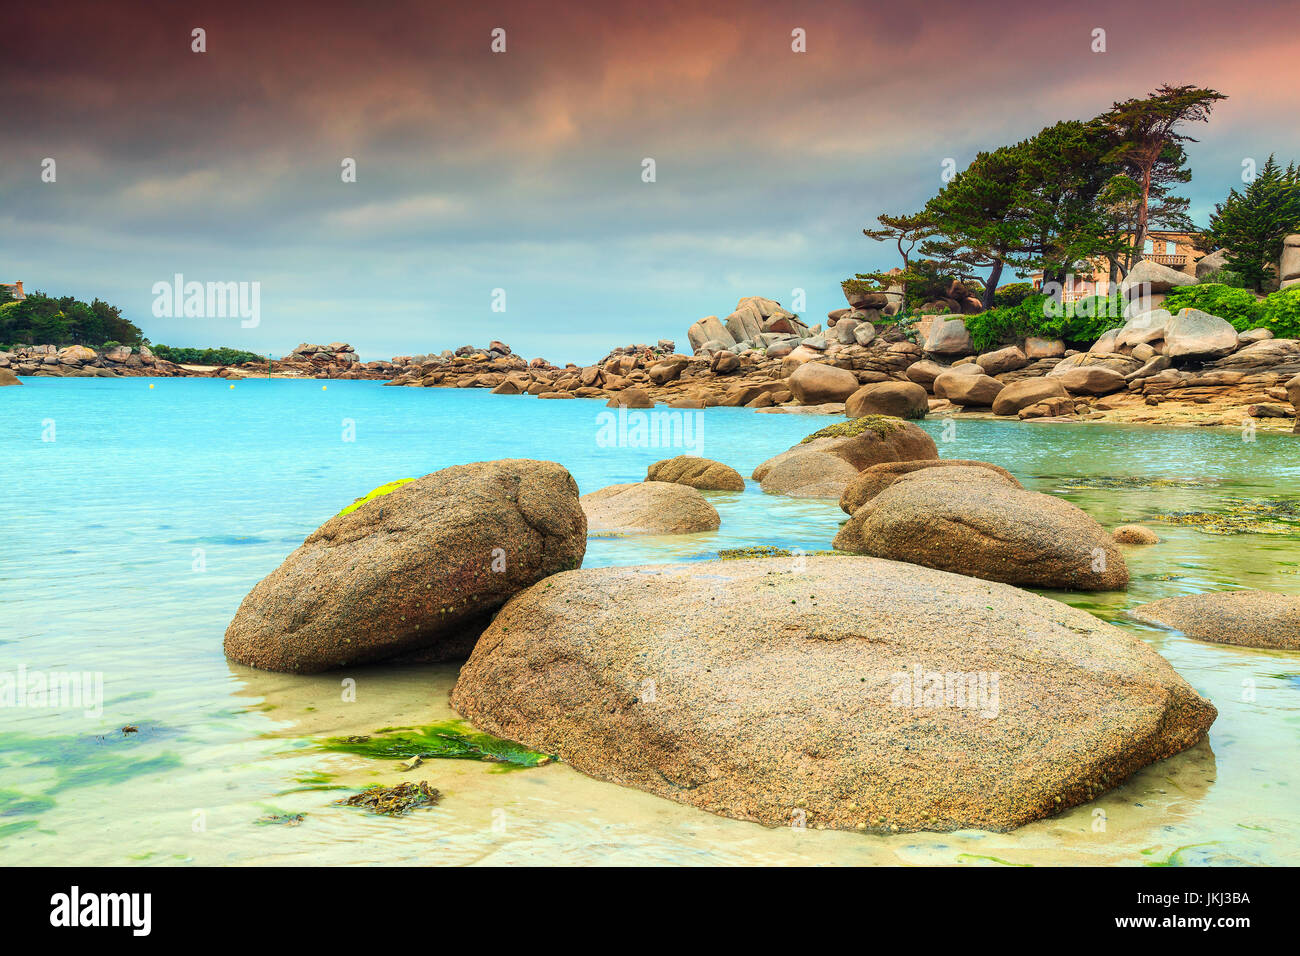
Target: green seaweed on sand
(449,740)
(882,425)
(281,819)
(1175,858)
(377,493)
(1107,482)
(1242,516)
(394,801)
(995,859)
(756,551)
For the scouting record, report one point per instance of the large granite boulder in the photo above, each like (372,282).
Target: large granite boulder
(967,389)
(1003,360)
(415,568)
(648,507)
(1193,333)
(816,383)
(702,473)
(1288,266)
(872,481)
(968,520)
(852,693)
(1091,380)
(1030,391)
(1036,348)
(1143,328)
(924,372)
(897,399)
(1214,262)
(1154,278)
(7,377)
(706,330)
(825,462)
(948,336)
(1246,618)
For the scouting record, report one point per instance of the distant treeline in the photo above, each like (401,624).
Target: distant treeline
(40,319)
(219,356)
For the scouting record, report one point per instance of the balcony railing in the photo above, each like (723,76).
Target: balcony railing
(1160,258)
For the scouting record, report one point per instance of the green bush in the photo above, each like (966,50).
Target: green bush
(1280,312)
(1224,277)
(1012,294)
(1238,307)
(1077,323)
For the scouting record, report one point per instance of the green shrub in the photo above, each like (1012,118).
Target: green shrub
(1280,312)
(1223,277)
(1012,294)
(1238,307)
(1077,323)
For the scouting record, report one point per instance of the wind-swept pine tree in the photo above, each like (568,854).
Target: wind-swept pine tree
(1252,225)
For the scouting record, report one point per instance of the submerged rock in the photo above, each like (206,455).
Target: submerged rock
(702,473)
(971,521)
(415,571)
(1245,618)
(1134,534)
(649,507)
(851,694)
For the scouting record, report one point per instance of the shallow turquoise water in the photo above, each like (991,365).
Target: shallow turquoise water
(134,534)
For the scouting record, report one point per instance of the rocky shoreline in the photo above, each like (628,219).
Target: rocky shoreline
(1158,369)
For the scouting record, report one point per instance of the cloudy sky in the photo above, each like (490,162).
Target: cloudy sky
(522,170)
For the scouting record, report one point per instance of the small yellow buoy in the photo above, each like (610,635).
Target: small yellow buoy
(323,387)
(232,385)
(151,385)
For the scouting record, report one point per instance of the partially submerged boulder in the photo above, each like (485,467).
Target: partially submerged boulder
(1134,534)
(872,481)
(852,694)
(807,469)
(1245,618)
(414,570)
(702,473)
(968,390)
(970,521)
(649,507)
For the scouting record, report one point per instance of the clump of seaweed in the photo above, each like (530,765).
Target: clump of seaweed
(757,551)
(450,740)
(377,493)
(1243,516)
(281,819)
(394,801)
(882,425)
(1107,482)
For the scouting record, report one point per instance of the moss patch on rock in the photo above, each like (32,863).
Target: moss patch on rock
(449,740)
(377,493)
(882,425)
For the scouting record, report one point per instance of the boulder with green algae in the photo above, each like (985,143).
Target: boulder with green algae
(809,694)
(824,463)
(413,573)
